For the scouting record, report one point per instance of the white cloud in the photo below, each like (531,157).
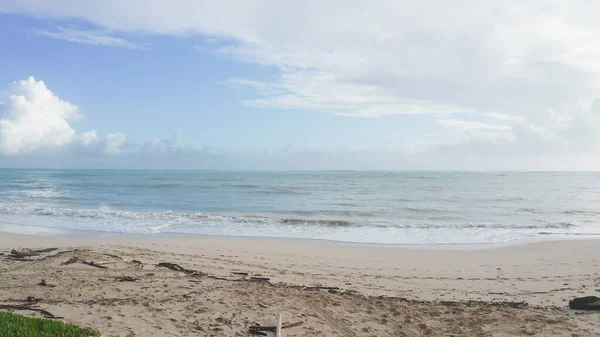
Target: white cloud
(114,142)
(574,132)
(380,57)
(93,37)
(522,64)
(33,119)
(466,126)
(160,145)
(503,117)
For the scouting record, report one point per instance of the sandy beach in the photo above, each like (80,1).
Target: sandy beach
(376,290)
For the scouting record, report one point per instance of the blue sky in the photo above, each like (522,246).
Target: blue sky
(505,82)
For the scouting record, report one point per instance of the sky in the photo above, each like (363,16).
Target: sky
(264,84)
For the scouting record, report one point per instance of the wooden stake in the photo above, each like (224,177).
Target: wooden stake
(278,330)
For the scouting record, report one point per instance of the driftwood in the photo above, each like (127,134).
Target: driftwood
(278,329)
(239,273)
(138,264)
(93,264)
(273,328)
(58,254)
(261,279)
(71,260)
(125,279)
(28,253)
(89,263)
(44,313)
(262,328)
(173,266)
(292,325)
(112,255)
(101,263)
(323,288)
(176,267)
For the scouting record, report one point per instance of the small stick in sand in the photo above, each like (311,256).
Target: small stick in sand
(101,263)
(292,325)
(278,330)
(93,264)
(44,284)
(26,307)
(71,260)
(89,263)
(323,288)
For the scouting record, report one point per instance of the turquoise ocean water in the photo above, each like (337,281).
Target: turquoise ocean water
(366,207)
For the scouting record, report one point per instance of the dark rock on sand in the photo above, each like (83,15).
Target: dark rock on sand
(585,303)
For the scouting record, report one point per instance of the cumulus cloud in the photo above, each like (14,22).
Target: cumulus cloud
(114,142)
(33,119)
(513,69)
(163,145)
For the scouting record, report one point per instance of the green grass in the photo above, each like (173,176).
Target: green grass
(12,325)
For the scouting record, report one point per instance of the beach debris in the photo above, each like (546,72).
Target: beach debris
(27,306)
(112,255)
(278,330)
(32,300)
(262,305)
(44,284)
(260,329)
(138,264)
(102,263)
(585,303)
(89,263)
(27,253)
(239,273)
(172,266)
(71,260)
(292,325)
(259,279)
(93,264)
(330,289)
(176,267)
(126,279)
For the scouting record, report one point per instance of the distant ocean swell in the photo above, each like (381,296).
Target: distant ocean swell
(216,219)
(368,207)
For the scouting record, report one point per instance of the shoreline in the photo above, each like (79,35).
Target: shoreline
(375,283)
(78,233)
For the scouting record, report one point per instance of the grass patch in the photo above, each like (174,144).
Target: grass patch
(12,325)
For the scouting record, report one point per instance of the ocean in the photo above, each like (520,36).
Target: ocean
(362,207)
